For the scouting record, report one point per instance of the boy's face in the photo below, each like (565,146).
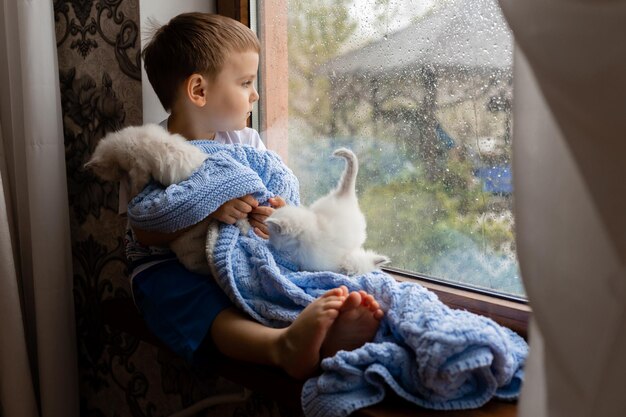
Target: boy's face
(231,96)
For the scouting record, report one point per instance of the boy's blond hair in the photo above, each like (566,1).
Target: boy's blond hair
(193,43)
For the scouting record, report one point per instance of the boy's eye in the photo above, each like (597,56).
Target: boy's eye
(247,83)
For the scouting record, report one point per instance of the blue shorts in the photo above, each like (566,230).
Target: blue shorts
(179,307)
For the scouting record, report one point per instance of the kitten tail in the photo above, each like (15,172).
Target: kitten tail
(347,184)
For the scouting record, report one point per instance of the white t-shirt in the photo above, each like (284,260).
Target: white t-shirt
(246,136)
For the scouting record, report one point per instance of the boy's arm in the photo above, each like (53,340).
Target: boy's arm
(228,213)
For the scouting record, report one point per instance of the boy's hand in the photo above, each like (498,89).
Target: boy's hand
(235,209)
(258,216)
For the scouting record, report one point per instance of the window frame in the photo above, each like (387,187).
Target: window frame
(512,312)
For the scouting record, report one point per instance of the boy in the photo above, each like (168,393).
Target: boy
(202,68)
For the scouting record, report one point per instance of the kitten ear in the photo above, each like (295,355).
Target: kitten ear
(103,168)
(94,163)
(274,225)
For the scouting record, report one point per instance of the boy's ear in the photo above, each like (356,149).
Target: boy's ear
(196,89)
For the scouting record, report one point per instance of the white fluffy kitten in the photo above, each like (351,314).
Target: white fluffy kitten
(136,153)
(329,235)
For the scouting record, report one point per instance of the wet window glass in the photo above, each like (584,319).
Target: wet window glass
(421,91)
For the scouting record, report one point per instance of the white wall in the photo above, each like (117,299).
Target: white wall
(162,11)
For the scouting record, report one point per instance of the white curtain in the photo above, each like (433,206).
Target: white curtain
(570,201)
(38,366)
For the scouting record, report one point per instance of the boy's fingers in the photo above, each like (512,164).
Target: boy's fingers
(263,210)
(277,202)
(227,214)
(260,228)
(234,213)
(227,219)
(257,217)
(249,200)
(242,206)
(260,233)
(238,215)
(259,225)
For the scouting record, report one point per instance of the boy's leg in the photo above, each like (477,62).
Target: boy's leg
(296,348)
(336,321)
(180,307)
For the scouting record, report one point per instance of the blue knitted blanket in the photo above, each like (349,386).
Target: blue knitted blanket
(425,352)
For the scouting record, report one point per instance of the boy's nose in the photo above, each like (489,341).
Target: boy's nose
(254,96)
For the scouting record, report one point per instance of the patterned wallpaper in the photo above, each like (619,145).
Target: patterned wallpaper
(98,45)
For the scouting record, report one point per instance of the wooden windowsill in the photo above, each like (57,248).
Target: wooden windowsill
(511,314)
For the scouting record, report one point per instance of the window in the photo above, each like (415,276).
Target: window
(421,91)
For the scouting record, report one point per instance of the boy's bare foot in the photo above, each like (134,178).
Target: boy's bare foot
(300,343)
(358,321)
